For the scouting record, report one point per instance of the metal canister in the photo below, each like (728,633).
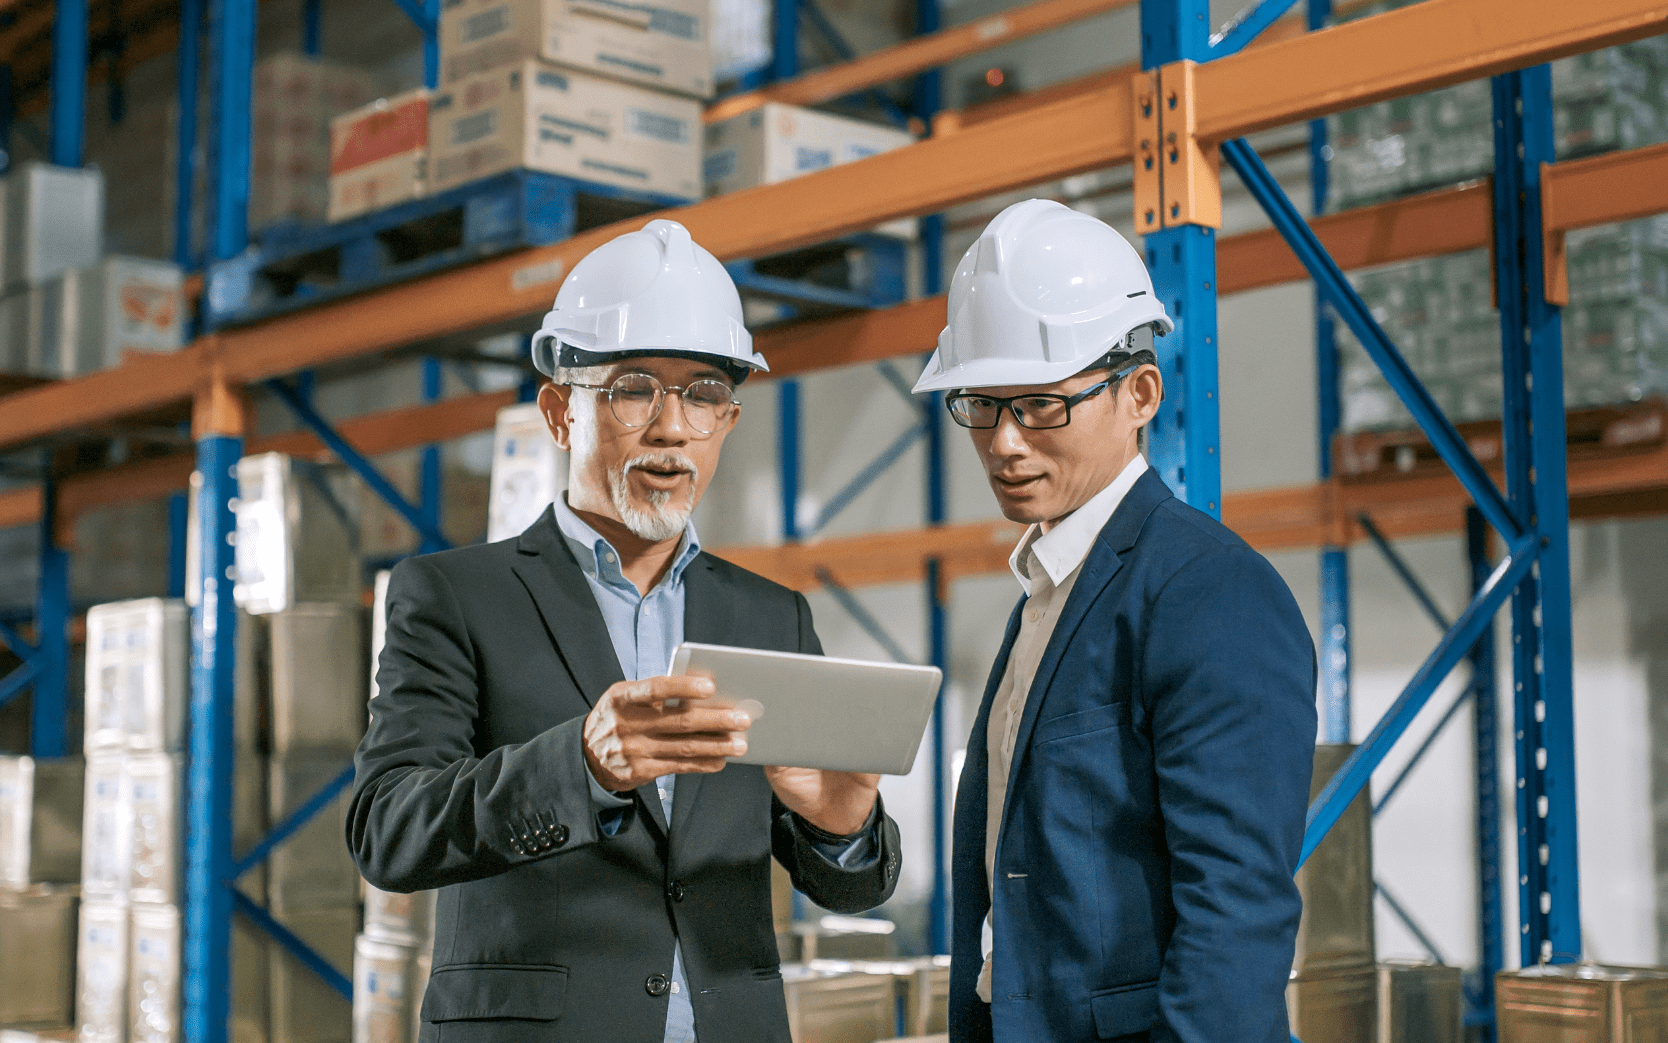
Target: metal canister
(101,973)
(318,671)
(40,820)
(1420,1003)
(1582,1003)
(1336,932)
(1337,1006)
(385,991)
(839,1006)
(153,994)
(403,919)
(106,845)
(303,1008)
(37,955)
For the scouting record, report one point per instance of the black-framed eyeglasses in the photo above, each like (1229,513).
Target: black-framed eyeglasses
(1036,412)
(636,400)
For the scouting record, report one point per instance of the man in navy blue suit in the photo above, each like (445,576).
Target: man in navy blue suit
(1132,804)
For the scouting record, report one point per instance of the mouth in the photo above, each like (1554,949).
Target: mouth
(661,473)
(1016,483)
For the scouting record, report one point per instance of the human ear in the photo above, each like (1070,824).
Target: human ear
(1142,392)
(555,401)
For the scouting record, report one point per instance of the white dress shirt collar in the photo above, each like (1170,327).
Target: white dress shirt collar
(1063,548)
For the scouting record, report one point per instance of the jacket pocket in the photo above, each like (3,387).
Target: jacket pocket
(475,991)
(1094,719)
(1126,1010)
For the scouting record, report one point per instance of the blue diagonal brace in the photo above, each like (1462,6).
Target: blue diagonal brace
(419,17)
(1352,777)
(298,948)
(1424,747)
(862,616)
(845,52)
(287,828)
(902,385)
(18,680)
(1399,565)
(321,428)
(1247,26)
(1412,926)
(1331,283)
(866,477)
(14,641)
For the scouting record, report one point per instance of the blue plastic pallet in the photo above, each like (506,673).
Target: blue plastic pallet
(297,266)
(858,271)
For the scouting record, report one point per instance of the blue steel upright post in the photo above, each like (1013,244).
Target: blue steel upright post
(1334,560)
(69,81)
(1537,491)
(784,65)
(429,488)
(231,74)
(208,897)
(1485,698)
(185,169)
(1183,437)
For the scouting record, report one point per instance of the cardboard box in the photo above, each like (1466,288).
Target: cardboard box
(295,99)
(663,44)
(379,155)
(559,122)
(776,142)
(54,221)
(528,471)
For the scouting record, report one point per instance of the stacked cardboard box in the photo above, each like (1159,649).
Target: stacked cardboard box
(295,98)
(1440,314)
(379,155)
(776,142)
(1604,100)
(595,90)
(40,860)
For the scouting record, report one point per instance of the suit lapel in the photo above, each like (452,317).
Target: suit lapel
(569,609)
(708,618)
(1117,536)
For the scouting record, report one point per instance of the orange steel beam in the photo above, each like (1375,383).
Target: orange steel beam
(373,435)
(1238,94)
(1406,51)
(917,55)
(1292,518)
(1619,186)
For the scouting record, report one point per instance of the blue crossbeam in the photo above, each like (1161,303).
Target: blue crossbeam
(321,428)
(1400,566)
(298,948)
(902,385)
(287,828)
(1413,927)
(866,477)
(1352,777)
(14,641)
(17,680)
(1332,284)
(1247,26)
(854,608)
(419,17)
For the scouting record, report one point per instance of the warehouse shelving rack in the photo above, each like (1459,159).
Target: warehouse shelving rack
(1208,93)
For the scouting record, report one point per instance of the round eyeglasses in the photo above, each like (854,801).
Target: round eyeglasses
(1037,412)
(636,399)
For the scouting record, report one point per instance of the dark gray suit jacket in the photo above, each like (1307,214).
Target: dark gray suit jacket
(554,925)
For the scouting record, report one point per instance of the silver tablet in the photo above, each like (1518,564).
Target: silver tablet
(812,711)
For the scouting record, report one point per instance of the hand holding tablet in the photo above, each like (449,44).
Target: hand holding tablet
(812,711)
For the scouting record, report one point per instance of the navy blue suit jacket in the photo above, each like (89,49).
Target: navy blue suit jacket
(1156,803)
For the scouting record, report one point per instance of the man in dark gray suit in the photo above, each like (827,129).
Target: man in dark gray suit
(604,873)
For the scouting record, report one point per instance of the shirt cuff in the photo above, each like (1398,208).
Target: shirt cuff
(610,807)
(855,851)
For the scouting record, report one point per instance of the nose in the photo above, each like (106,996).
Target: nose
(671,426)
(1008,440)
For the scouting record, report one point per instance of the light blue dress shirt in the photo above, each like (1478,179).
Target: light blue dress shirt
(644,629)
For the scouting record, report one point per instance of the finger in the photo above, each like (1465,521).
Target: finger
(683,766)
(690,746)
(689,686)
(688,719)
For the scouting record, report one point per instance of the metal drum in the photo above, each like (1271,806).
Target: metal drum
(1582,1003)
(1334,1007)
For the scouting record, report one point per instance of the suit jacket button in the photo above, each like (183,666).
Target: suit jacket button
(561,835)
(674,890)
(658,984)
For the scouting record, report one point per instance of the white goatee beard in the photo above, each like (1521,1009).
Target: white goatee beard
(662,520)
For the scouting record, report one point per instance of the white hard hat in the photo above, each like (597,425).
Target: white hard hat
(1043,293)
(650,292)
